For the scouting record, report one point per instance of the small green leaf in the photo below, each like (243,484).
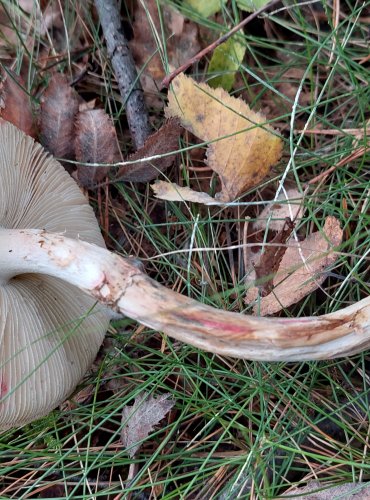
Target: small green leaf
(225,63)
(251,5)
(205,8)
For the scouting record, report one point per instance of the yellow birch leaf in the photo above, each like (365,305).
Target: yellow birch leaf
(225,62)
(242,147)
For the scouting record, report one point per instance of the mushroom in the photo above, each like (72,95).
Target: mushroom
(73,255)
(50,331)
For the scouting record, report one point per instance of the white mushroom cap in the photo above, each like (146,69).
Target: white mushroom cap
(50,331)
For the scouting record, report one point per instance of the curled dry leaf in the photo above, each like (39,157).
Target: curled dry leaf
(139,419)
(182,33)
(273,216)
(302,269)
(173,192)
(59,107)
(15,103)
(143,45)
(165,140)
(96,142)
(269,261)
(242,147)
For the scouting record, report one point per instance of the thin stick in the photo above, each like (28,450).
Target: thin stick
(125,71)
(168,79)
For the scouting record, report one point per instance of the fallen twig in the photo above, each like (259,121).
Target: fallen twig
(125,71)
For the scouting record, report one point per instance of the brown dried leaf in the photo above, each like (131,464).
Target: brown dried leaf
(139,419)
(182,34)
(15,103)
(271,258)
(147,27)
(273,216)
(143,45)
(165,140)
(302,269)
(59,106)
(96,142)
(242,149)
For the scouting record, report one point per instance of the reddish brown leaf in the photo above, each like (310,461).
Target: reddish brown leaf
(165,140)
(15,103)
(302,269)
(96,142)
(269,261)
(59,106)
(149,22)
(138,420)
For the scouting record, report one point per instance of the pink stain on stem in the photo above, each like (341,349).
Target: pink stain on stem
(225,326)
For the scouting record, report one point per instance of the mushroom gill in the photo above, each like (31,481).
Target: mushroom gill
(50,331)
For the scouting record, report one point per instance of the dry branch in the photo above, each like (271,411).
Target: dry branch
(125,71)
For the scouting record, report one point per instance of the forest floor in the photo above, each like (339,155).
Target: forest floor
(234,428)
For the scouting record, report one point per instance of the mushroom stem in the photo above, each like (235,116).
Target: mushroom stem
(119,284)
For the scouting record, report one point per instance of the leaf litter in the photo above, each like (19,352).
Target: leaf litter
(270,259)
(171,191)
(289,203)
(15,103)
(273,218)
(149,27)
(96,142)
(138,420)
(58,111)
(165,140)
(302,269)
(242,147)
